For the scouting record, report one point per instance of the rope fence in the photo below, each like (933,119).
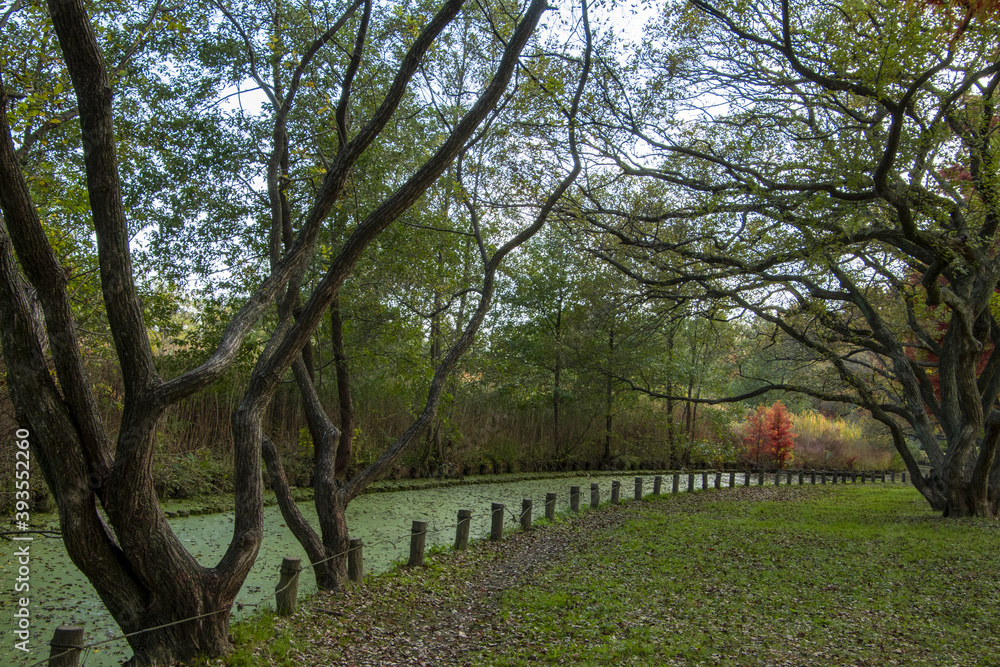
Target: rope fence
(68,649)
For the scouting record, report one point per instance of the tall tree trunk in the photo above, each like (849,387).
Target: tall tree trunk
(609,395)
(344,394)
(433,450)
(670,396)
(557,381)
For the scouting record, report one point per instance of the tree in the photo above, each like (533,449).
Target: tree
(808,172)
(327,549)
(769,439)
(144,575)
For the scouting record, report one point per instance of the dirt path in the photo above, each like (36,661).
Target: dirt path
(439,614)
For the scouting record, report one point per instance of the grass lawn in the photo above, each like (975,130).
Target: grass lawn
(845,574)
(834,575)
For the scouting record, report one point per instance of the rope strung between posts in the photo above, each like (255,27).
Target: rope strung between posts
(239,605)
(87,647)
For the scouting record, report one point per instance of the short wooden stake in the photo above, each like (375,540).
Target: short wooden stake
(657,484)
(496,522)
(812,477)
(760,479)
(704,481)
(732,479)
(286,593)
(550,506)
(355,560)
(718,480)
(574,498)
(418,538)
(65,647)
(777,479)
(863,475)
(746,478)
(822,478)
(462,530)
(638,488)
(595,495)
(616,491)
(691,482)
(893,476)
(834,476)
(526,513)
(676,483)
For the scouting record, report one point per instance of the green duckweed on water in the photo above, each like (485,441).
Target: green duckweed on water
(382,519)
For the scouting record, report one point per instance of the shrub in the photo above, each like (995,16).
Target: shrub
(838,443)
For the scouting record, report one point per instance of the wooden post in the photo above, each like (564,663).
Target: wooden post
(595,495)
(893,476)
(834,476)
(65,647)
(718,480)
(746,478)
(657,484)
(691,482)
(677,480)
(462,530)
(550,506)
(286,593)
(526,513)
(863,475)
(760,479)
(355,560)
(732,479)
(616,490)
(822,478)
(777,479)
(704,481)
(418,537)
(854,477)
(496,522)
(802,477)
(638,488)
(574,498)
(812,477)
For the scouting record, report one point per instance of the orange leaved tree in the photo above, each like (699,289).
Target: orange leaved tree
(769,438)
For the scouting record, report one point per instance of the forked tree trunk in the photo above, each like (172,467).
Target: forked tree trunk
(327,548)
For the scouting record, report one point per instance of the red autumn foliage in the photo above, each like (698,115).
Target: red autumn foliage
(769,440)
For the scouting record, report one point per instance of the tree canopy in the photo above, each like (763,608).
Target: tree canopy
(830,170)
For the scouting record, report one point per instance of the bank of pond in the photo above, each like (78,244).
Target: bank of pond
(384,521)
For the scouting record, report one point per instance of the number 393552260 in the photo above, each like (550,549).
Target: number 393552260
(22,476)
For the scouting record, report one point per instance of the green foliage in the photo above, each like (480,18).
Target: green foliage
(194,473)
(263,636)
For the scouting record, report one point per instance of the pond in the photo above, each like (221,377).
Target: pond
(60,595)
